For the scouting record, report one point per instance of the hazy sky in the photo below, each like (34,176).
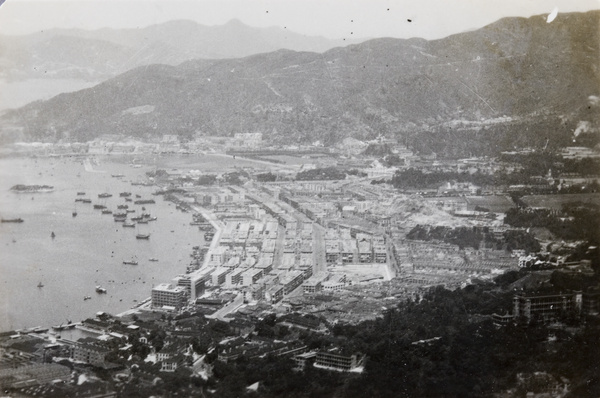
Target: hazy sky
(331,18)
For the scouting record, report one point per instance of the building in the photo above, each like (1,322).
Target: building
(546,307)
(338,361)
(89,353)
(168,296)
(274,294)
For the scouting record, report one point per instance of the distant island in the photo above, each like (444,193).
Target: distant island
(20,188)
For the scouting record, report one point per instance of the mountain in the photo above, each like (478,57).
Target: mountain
(512,84)
(104,53)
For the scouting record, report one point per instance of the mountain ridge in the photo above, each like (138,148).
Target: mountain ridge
(517,82)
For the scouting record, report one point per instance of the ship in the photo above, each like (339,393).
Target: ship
(130,262)
(144,201)
(142,236)
(17,220)
(104,195)
(20,188)
(100,289)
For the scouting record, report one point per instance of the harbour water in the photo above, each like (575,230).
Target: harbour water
(88,249)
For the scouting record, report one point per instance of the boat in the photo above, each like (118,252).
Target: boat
(74,214)
(100,289)
(99,207)
(144,221)
(86,298)
(106,211)
(129,224)
(130,210)
(128,200)
(125,194)
(153,259)
(142,236)
(12,220)
(20,188)
(40,284)
(87,201)
(80,193)
(130,262)
(144,201)
(122,207)
(53,235)
(104,195)
(117,175)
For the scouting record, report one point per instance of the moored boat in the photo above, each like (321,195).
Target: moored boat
(104,195)
(100,289)
(17,220)
(130,262)
(142,236)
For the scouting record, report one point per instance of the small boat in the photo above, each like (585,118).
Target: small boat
(104,195)
(40,284)
(142,236)
(130,262)
(128,224)
(128,200)
(86,298)
(142,221)
(74,214)
(87,201)
(144,201)
(130,210)
(106,211)
(17,220)
(100,289)
(53,235)
(99,207)
(122,207)
(80,193)
(153,259)
(138,196)
(125,194)
(117,175)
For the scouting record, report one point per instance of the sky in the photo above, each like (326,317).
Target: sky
(336,19)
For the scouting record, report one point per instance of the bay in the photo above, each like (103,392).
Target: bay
(87,250)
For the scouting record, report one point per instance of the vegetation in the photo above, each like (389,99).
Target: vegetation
(475,237)
(327,173)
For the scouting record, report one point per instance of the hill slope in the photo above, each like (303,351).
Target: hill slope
(517,82)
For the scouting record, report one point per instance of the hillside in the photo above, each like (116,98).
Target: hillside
(100,54)
(517,82)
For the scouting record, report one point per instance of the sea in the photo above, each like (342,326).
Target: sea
(88,249)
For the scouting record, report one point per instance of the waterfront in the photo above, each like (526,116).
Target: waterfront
(88,249)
